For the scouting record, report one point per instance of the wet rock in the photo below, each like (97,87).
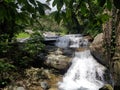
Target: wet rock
(68,52)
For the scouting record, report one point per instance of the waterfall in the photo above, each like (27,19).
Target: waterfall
(71,41)
(85,73)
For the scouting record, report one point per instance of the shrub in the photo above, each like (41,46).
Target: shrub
(34,45)
(5,72)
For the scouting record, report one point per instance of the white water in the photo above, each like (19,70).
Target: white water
(85,73)
(71,41)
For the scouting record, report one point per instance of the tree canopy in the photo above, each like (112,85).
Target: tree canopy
(15,15)
(87,13)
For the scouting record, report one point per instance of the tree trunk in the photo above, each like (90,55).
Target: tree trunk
(111,32)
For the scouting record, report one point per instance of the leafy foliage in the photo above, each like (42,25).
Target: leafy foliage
(82,16)
(34,45)
(48,24)
(16,15)
(6,70)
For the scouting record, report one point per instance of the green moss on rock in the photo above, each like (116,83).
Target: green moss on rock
(106,87)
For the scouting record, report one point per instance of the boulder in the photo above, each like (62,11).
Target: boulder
(59,58)
(60,62)
(97,49)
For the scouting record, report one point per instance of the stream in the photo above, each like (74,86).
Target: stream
(85,73)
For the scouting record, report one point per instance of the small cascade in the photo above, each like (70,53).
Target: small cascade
(85,73)
(71,41)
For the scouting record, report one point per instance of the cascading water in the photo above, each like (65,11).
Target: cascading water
(71,41)
(85,73)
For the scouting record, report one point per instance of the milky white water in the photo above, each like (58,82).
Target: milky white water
(71,41)
(85,73)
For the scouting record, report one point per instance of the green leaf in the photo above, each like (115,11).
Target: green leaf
(54,3)
(33,2)
(57,16)
(40,8)
(83,9)
(46,6)
(64,16)
(59,4)
(68,13)
(109,5)
(105,17)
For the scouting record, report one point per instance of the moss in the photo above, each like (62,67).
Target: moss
(106,87)
(23,35)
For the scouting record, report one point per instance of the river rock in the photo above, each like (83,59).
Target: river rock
(58,58)
(97,49)
(60,62)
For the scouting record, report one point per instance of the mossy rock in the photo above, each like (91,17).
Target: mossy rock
(106,87)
